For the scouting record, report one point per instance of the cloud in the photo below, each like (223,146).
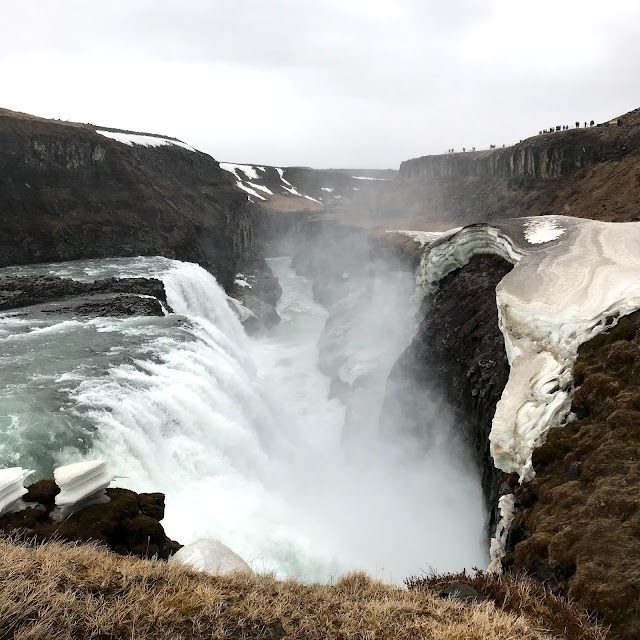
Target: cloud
(329,83)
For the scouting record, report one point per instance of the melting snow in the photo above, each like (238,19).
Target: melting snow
(262,188)
(247,169)
(143,140)
(421,237)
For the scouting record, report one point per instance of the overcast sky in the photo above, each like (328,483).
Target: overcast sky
(324,83)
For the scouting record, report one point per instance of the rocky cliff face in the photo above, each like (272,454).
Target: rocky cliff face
(590,173)
(68,192)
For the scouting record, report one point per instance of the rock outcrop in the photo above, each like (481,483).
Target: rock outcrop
(129,524)
(102,298)
(69,192)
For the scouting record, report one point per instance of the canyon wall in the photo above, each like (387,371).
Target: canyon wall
(590,173)
(68,192)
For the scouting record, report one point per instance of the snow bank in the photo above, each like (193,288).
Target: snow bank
(12,489)
(210,556)
(81,484)
(143,140)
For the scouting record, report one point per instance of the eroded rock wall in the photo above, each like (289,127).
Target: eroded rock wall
(66,192)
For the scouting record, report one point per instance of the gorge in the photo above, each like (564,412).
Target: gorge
(355,428)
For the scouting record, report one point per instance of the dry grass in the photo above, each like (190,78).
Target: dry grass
(524,597)
(57,591)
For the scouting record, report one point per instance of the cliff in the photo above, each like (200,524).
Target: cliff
(68,191)
(590,172)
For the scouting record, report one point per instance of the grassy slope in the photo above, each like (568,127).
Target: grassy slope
(54,591)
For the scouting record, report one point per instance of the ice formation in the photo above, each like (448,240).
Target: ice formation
(210,556)
(81,484)
(12,489)
(243,313)
(506,507)
(573,278)
(143,140)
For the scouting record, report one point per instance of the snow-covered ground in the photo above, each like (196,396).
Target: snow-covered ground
(143,140)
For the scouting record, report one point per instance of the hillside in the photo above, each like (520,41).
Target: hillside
(592,172)
(110,596)
(70,190)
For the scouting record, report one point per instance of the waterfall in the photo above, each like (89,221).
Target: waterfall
(240,433)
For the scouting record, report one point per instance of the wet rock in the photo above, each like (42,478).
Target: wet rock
(129,524)
(109,297)
(462,592)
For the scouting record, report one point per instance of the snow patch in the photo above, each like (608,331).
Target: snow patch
(12,489)
(540,230)
(243,313)
(210,556)
(248,170)
(328,189)
(367,178)
(242,283)
(421,237)
(131,139)
(249,190)
(81,484)
(261,187)
(310,198)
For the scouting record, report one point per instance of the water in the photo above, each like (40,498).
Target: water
(238,432)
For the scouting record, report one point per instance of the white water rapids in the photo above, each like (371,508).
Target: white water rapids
(238,432)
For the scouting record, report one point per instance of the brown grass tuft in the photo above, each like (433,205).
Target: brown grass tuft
(55,591)
(524,597)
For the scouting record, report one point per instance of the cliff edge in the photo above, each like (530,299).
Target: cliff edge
(71,191)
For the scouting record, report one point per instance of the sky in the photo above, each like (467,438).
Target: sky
(323,83)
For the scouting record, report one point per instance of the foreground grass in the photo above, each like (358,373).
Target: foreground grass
(56,591)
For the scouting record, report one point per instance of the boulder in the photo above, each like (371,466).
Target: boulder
(211,556)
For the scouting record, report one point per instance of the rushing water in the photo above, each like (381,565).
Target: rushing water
(238,432)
